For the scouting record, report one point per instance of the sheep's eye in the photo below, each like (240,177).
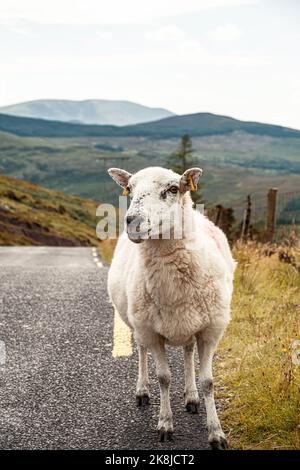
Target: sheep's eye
(126,191)
(173,189)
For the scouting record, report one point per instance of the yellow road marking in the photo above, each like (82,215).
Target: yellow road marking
(97,258)
(122,340)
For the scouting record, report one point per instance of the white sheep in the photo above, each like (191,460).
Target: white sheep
(172,290)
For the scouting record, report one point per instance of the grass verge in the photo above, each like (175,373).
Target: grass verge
(258,381)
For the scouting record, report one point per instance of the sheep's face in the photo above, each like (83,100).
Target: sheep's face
(156,200)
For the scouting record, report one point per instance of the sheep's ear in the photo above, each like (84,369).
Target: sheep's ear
(189,179)
(121,177)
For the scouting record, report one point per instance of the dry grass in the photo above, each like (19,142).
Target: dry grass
(33,215)
(106,249)
(258,384)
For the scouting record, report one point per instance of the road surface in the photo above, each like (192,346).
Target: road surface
(60,385)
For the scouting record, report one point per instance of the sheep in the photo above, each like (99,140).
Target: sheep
(172,290)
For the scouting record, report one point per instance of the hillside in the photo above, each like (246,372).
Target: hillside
(234,164)
(30,127)
(119,113)
(33,215)
(197,125)
(204,124)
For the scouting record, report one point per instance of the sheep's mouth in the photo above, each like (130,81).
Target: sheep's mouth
(137,237)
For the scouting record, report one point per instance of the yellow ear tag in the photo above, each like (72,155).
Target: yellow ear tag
(125,192)
(191,183)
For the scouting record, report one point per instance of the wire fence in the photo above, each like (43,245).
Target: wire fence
(287,208)
(266,218)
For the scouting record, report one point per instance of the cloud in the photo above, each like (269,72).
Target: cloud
(227,32)
(165,33)
(104,12)
(104,34)
(16,26)
(186,55)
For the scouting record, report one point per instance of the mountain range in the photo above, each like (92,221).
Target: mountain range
(197,125)
(119,113)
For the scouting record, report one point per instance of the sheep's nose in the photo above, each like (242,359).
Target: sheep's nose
(134,222)
(134,219)
(133,228)
(130,218)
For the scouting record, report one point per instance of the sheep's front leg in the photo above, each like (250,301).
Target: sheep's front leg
(191,396)
(142,387)
(206,349)
(165,423)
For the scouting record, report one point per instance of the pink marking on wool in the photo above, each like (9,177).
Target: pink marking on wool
(215,233)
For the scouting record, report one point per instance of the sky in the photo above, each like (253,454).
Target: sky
(233,57)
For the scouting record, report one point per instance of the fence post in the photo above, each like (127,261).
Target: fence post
(246,219)
(219,215)
(271,214)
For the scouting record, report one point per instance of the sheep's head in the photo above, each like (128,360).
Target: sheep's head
(157,196)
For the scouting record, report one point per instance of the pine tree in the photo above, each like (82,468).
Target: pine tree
(183,159)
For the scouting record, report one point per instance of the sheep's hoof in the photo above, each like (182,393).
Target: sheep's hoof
(165,428)
(192,407)
(164,435)
(143,399)
(191,399)
(219,444)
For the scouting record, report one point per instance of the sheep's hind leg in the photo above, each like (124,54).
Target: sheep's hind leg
(191,396)
(206,349)
(165,423)
(142,387)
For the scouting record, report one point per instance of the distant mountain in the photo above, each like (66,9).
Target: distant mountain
(30,127)
(205,124)
(197,125)
(102,112)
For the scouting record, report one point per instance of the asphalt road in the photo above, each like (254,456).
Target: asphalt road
(60,387)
